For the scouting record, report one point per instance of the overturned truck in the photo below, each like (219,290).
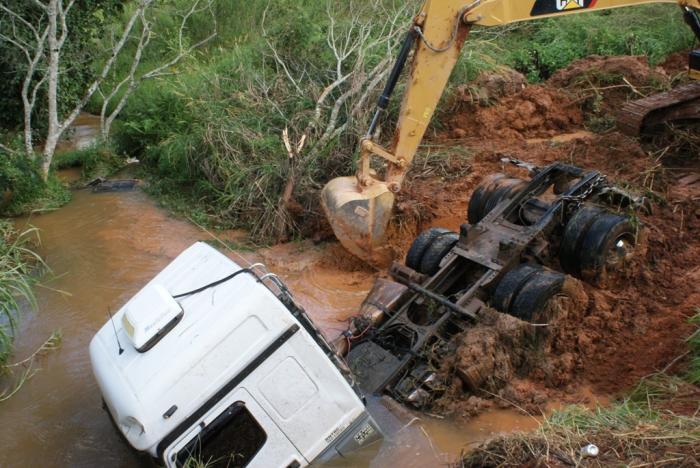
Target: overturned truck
(522,240)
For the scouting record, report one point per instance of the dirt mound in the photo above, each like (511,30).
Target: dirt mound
(604,84)
(488,87)
(676,65)
(597,69)
(534,112)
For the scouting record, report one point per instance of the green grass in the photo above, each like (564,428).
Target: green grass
(541,48)
(17,261)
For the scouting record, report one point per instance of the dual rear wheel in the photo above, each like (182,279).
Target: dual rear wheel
(429,248)
(596,244)
(490,192)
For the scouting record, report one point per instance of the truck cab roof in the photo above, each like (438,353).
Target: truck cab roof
(219,340)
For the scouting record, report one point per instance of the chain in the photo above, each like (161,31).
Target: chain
(577,200)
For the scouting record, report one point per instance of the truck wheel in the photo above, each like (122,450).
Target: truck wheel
(510,284)
(572,239)
(430,263)
(536,293)
(420,244)
(525,290)
(490,193)
(596,243)
(479,196)
(608,246)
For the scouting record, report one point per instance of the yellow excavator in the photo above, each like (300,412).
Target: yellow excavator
(359,208)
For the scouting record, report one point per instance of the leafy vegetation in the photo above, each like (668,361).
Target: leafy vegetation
(95,160)
(88,22)
(22,189)
(211,135)
(544,47)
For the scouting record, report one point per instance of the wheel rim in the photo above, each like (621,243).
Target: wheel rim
(621,252)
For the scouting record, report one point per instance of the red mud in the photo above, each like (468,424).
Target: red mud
(620,334)
(534,112)
(635,327)
(676,65)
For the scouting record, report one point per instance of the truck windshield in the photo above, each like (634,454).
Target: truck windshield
(231,440)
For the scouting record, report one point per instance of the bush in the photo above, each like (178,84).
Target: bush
(98,160)
(22,188)
(541,48)
(215,131)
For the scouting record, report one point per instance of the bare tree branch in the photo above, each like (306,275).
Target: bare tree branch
(134,81)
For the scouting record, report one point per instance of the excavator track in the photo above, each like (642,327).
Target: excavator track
(678,105)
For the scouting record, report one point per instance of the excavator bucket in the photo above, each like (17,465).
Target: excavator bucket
(360,218)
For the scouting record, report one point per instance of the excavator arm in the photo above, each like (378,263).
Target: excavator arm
(359,208)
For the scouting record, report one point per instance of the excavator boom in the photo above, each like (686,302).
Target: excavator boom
(359,208)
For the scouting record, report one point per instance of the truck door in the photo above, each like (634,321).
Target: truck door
(236,433)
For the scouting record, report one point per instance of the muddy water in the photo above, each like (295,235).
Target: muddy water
(102,248)
(82,134)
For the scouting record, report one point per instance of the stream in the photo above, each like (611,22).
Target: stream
(102,248)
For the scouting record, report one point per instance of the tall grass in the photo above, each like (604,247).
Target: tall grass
(17,260)
(635,432)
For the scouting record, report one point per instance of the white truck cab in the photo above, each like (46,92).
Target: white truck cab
(215,363)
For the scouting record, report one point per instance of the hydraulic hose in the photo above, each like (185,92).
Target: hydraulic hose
(693,20)
(384,99)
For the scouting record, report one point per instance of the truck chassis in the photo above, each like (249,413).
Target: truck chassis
(555,219)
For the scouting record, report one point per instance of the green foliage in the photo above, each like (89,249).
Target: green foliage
(16,263)
(87,23)
(22,188)
(540,48)
(97,160)
(213,134)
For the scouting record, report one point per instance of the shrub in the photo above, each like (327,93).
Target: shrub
(22,188)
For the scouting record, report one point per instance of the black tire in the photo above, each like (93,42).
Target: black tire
(430,263)
(525,290)
(573,237)
(535,293)
(475,211)
(598,250)
(420,245)
(490,193)
(510,284)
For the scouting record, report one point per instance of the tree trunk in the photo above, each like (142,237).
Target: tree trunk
(28,139)
(47,156)
(54,130)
